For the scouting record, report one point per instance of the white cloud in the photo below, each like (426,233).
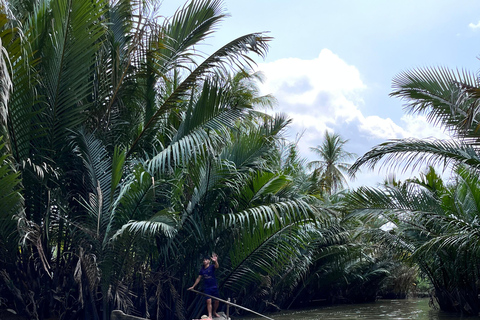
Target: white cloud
(301,81)
(325,93)
(381,128)
(474,26)
(411,127)
(419,127)
(315,92)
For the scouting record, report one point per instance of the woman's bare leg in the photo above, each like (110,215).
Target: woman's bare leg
(209,308)
(215,307)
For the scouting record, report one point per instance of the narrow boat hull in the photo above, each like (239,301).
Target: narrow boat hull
(223,316)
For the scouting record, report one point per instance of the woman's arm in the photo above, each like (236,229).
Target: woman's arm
(196,282)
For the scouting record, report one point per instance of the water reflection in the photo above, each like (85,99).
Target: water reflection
(382,309)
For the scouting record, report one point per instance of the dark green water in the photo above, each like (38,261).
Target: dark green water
(382,309)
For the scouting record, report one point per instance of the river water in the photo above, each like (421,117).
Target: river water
(381,310)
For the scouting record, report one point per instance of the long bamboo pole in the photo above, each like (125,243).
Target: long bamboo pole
(230,303)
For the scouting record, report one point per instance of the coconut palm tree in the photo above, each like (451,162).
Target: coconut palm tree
(331,167)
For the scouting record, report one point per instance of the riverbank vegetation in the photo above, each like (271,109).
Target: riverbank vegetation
(127,155)
(436,221)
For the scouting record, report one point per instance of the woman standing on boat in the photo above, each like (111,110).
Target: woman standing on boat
(209,283)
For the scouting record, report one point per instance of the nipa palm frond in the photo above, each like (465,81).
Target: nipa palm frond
(234,53)
(415,153)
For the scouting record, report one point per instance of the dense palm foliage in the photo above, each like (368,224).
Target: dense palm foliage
(109,108)
(126,155)
(437,222)
(435,227)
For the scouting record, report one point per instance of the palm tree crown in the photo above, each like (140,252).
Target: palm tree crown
(331,166)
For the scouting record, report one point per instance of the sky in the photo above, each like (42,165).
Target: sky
(331,63)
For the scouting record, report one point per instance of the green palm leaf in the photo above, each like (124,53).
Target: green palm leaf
(234,52)
(265,252)
(6,84)
(444,95)
(287,211)
(10,206)
(190,25)
(68,53)
(23,122)
(162,223)
(415,153)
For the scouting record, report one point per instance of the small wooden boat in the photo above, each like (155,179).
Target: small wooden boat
(228,303)
(222,315)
